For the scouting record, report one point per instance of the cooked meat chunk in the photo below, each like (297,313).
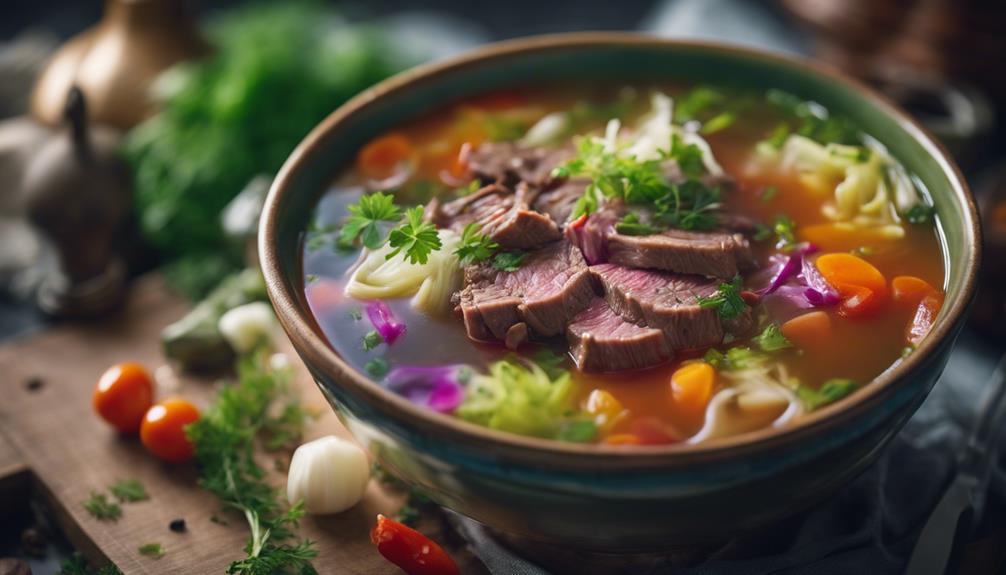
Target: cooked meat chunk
(550,287)
(601,340)
(503,215)
(668,302)
(509,163)
(713,254)
(559,202)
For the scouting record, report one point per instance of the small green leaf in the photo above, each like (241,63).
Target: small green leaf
(920,214)
(152,550)
(101,508)
(771,339)
(415,237)
(365,218)
(371,340)
(129,490)
(377,367)
(509,261)
(830,392)
(577,431)
(727,300)
(474,247)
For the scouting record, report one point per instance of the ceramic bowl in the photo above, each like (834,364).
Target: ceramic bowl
(611,498)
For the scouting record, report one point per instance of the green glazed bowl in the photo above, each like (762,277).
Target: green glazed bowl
(598,497)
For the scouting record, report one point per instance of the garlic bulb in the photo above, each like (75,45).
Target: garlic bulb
(329,474)
(247,325)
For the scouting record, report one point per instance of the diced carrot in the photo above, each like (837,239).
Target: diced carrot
(925,317)
(605,408)
(862,287)
(692,386)
(810,331)
(380,158)
(910,290)
(623,439)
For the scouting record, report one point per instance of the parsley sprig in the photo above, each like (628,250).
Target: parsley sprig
(365,220)
(416,238)
(727,300)
(509,261)
(474,246)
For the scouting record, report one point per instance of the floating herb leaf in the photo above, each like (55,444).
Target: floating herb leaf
(416,237)
(772,339)
(509,261)
(474,247)
(727,300)
(830,392)
(365,218)
(377,367)
(371,340)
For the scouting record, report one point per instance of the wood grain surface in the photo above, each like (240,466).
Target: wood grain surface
(53,432)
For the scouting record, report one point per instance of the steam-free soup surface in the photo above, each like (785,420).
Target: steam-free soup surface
(828,270)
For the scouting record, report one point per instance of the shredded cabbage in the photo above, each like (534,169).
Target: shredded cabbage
(517,397)
(431,284)
(870,188)
(761,393)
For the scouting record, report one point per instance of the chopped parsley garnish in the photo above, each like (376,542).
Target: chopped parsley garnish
(153,550)
(550,362)
(577,431)
(718,123)
(356,314)
(474,246)
(77,565)
(365,218)
(768,193)
(778,137)
(631,225)
(509,261)
(734,358)
(377,367)
(696,101)
(472,187)
(129,490)
(920,214)
(371,340)
(785,228)
(811,120)
(416,237)
(761,232)
(687,156)
(689,206)
(727,300)
(830,392)
(101,508)
(771,339)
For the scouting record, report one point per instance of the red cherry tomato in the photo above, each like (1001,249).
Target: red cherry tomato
(123,395)
(163,429)
(412,551)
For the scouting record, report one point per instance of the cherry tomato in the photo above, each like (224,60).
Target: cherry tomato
(123,395)
(163,429)
(410,550)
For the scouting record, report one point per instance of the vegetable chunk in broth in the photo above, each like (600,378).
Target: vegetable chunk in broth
(631,266)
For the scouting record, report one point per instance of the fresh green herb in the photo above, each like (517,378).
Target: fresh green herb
(285,430)
(689,206)
(727,300)
(761,233)
(813,121)
(718,123)
(416,237)
(371,340)
(472,187)
(830,392)
(551,362)
(777,138)
(631,225)
(377,367)
(734,358)
(920,214)
(365,220)
(785,230)
(697,100)
(771,339)
(687,156)
(224,440)
(77,565)
(356,314)
(101,508)
(153,550)
(509,261)
(474,247)
(768,193)
(129,490)
(577,431)
(217,124)
(613,176)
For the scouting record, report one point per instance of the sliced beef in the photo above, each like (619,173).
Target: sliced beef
(551,286)
(713,254)
(503,215)
(601,340)
(509,163)
(559,202)
(668,302)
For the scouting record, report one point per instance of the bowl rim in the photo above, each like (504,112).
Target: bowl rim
(311,345)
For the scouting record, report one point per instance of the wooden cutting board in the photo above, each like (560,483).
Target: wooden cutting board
(51,435)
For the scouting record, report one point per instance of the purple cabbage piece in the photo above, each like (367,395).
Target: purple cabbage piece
(819,292)
(790,268)
(796,279)
(384,321)
(438,387)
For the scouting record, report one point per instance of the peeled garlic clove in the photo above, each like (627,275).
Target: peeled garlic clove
(247,325)
(329,474)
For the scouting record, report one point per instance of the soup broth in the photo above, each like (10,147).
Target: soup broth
(810,261)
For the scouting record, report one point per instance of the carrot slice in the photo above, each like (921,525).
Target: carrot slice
(910,290)
(862,287)
(380,158)
(692,386)
(810,331)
